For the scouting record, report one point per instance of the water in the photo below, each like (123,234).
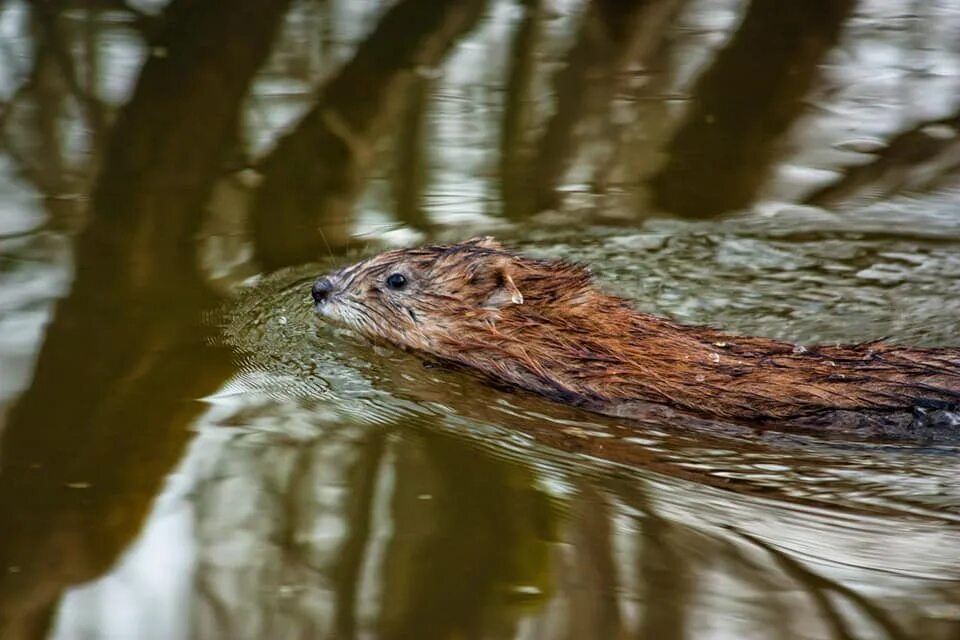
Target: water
(187,453)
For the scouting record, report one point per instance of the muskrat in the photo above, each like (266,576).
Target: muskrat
(544,326)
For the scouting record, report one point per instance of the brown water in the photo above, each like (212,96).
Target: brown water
(186,453)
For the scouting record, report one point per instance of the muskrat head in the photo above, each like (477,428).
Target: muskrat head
(414,298)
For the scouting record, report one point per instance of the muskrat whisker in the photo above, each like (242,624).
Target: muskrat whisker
(325,243)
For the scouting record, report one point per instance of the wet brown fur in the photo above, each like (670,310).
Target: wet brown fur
(568,340)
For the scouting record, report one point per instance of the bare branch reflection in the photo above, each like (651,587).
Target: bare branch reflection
(916,159)
(313,176)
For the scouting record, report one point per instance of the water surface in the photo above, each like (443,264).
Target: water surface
(187,452)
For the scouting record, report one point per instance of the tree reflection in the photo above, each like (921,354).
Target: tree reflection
(313,176)
(604,106)
(518,110)
(743,104)
(918,159)
(410,170)
(612,36)
(362,478)
(30,123)
(594,612)
(820,589)
(88,444)
(469,531)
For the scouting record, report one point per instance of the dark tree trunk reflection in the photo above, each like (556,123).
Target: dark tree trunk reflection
(612,34)
(410,171)
(743,105)
(78,474)
(518,117)
(594,612)
(455,556)
(347,573)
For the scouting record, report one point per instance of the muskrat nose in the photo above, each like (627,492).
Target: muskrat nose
(322,288)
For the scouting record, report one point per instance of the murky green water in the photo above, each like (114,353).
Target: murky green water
(185,452)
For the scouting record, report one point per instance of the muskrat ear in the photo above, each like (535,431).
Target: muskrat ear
(506,292)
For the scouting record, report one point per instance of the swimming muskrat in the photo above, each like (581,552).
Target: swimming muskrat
(543,325)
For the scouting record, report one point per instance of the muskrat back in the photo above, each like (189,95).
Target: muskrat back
(544,326)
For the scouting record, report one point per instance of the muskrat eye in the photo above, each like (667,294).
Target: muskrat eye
(396,281)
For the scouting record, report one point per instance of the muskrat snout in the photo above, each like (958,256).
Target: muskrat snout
(322,288)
